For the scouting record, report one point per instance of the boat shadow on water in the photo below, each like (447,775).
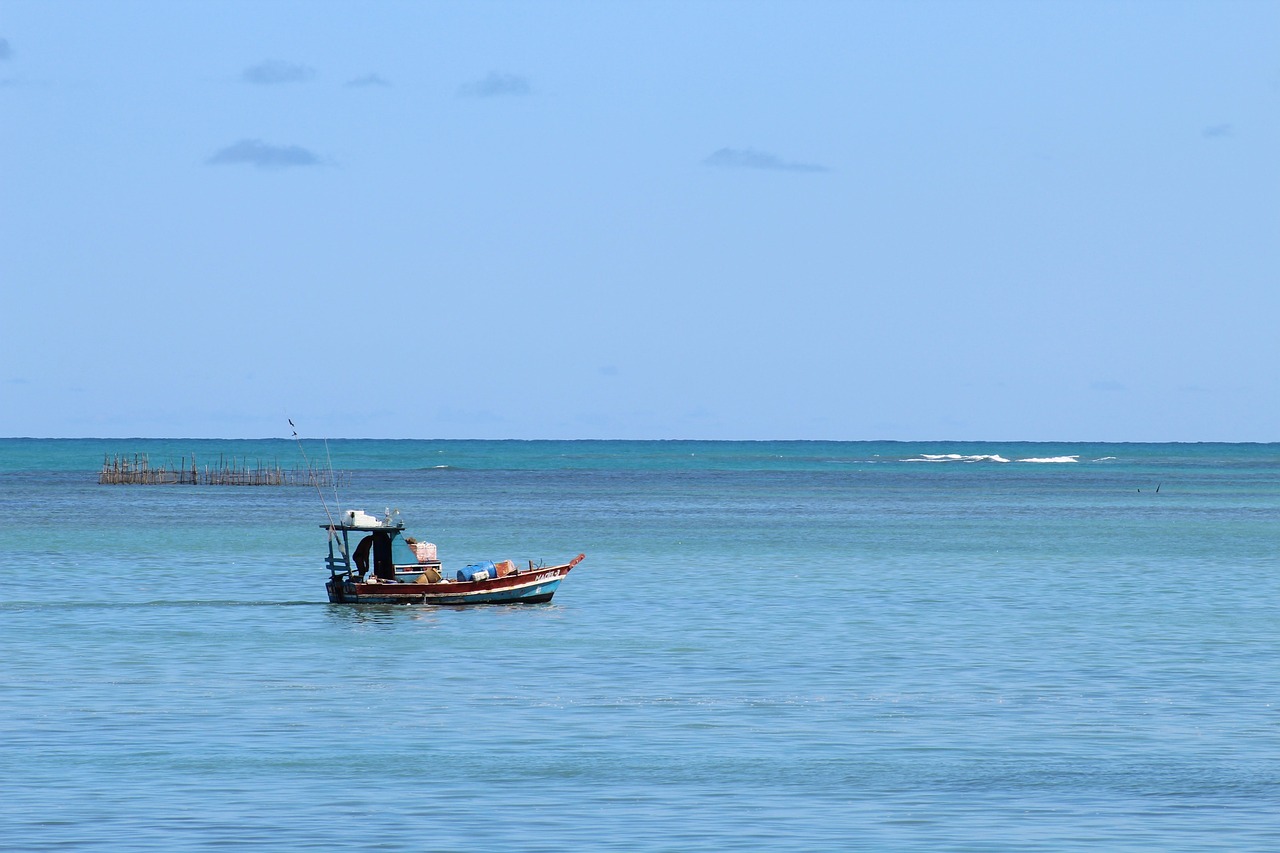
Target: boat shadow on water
(366,615)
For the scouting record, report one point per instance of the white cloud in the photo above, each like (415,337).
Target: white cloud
(367,81)
(255,152)
(273,72)
(497,85)
(749,158)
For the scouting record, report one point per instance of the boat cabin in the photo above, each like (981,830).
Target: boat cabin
(361,544)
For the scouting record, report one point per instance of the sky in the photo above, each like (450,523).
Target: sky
(1054,221)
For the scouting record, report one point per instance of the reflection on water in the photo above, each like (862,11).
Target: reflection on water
(377,614)
(395,614)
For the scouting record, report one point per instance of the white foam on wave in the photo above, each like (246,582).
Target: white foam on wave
(956,457)
(1052,460)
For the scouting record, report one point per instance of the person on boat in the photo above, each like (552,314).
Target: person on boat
(361,555)
(383,567)
(380,544)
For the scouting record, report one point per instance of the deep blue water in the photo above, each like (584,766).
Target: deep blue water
(770,646)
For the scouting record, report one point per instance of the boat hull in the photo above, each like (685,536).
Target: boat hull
(535,586)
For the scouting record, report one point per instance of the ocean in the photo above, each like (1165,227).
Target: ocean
(770,646)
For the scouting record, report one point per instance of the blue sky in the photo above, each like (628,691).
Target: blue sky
(854,220)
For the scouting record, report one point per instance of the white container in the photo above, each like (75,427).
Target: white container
(425,552)
(360,518)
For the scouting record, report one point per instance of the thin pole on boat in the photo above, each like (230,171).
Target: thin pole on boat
(303,451)
(333,478)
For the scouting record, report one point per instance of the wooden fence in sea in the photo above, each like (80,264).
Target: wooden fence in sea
(137,470)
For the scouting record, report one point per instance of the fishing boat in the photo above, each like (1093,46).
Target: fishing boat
(371,561)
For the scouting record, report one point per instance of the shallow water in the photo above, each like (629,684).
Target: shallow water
(770,645)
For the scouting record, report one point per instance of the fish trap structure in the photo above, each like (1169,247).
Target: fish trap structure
(137,470)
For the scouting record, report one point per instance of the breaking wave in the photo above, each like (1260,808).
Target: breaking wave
(989,457)
(955,457)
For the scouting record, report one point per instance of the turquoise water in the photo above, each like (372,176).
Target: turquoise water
(770,646)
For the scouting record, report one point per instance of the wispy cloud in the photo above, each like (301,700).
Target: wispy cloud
(749,158)
(255,152)
(368,80)
(1217,131)
(496,85)
(274,71)
(6,52)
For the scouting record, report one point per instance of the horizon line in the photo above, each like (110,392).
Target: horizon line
(690,440)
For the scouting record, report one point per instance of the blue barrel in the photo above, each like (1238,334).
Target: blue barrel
(469,572)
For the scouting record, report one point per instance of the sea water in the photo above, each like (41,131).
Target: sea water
(790,645)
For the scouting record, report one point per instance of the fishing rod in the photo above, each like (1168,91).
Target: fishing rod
(333,478)
(314,480)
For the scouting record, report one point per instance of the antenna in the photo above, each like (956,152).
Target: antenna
(333,478)
(303,451)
